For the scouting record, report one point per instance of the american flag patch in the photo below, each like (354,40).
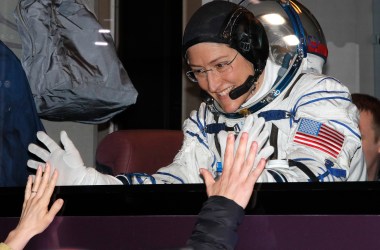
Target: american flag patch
(319,136)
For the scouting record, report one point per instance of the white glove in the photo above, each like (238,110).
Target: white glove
(258,131)
(68,162)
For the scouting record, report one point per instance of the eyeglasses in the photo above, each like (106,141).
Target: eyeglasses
(200,74)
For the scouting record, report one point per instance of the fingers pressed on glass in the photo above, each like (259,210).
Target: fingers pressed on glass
(256,172)
(229,153)
(251,157)
(44,181)
(40,152)
(51,184)
(28,189)
(45,139)
(37,181)
(240,153)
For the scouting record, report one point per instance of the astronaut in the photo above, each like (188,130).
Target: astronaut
(261,73)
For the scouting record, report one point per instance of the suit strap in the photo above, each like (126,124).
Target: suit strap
(304,169)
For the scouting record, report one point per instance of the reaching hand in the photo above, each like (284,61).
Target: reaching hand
(238,178)
(35,216)
(258,131)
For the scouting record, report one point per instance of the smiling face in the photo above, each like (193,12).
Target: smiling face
(206,56)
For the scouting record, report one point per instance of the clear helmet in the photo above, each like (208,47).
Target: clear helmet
(294,35)
(290,27)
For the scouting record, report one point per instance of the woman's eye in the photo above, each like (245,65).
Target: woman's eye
(198,71)
(220,66)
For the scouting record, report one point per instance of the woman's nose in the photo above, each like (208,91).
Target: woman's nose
(213,80)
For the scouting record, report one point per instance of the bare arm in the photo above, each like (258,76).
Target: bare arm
(35,216)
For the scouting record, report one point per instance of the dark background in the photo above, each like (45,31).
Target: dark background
(149,46)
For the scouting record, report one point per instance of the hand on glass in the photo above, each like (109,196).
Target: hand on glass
(67,159)
(238,178)
(258,130)
(35,216)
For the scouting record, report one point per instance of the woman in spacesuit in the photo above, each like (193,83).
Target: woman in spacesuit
(260,67)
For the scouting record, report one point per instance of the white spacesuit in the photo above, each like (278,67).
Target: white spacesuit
(316,136)
(312,122)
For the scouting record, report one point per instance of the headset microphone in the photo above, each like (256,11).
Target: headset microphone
(245,87)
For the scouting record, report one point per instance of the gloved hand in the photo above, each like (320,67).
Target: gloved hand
(68,162)
(258,131)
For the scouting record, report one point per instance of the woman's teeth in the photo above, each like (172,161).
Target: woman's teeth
(226,91)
